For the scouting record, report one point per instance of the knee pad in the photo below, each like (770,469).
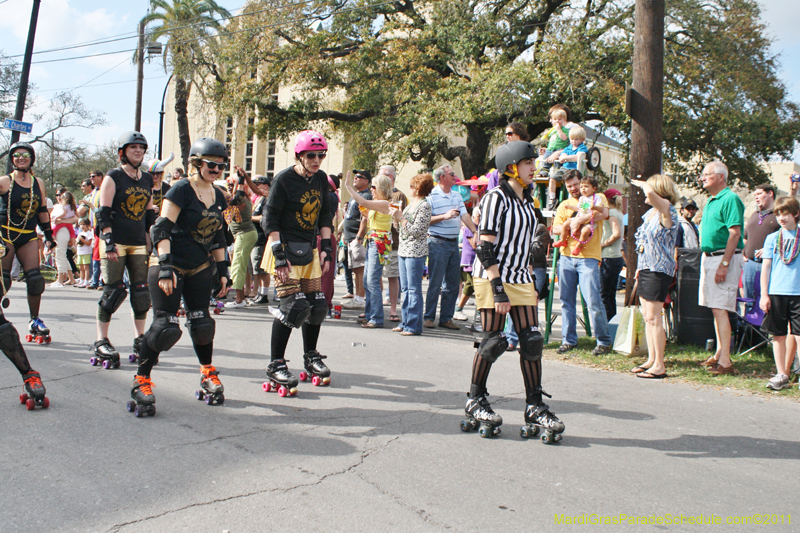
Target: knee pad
(35,281)
(531,344)
(164,332)
(112,298)
(493,346)
(140,298)
(6,282)
(294,310)
(319,308)
(9,338)
(201,327)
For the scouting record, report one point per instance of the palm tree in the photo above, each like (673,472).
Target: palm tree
(190,27)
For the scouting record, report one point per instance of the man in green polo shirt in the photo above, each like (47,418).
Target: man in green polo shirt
(721,242)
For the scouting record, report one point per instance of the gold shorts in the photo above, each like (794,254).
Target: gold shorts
(123,249)
(518,293)
(309,271)
(187,273)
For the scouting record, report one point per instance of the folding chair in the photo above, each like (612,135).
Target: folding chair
(750,321)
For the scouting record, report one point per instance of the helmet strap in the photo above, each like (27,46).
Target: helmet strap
(515,176)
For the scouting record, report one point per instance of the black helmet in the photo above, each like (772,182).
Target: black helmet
(207,146)
(24,146)
(512,153)
(131,137)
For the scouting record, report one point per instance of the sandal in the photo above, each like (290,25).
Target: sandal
(398,328)
(362,315)
(648,375)
(394,318)
(710,362)
(639,369)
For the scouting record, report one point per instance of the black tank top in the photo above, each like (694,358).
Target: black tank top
(159,194)
(24,210)
(128,207)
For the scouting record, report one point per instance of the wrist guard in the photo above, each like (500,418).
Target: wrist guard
(223,271)
(48,237)
(486,254)
(165,267)
(279,254)
(327,247)
(240,177)
(108,238)
(498,291)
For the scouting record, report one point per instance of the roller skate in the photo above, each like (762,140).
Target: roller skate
(280,379)
(538,417)
(212,387)
(38,333)
(216,306)
(144,401)
(480,415)
(316,370)
(35,394)
(137,345)
(105,354)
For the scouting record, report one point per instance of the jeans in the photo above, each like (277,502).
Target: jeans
(444,275)
(95,273)
(586,273)
(373,309)
(348,274)
(609,277)
(751,274)
(411,293)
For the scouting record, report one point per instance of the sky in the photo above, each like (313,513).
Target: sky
(107,83)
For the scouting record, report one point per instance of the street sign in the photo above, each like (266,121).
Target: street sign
(16,125)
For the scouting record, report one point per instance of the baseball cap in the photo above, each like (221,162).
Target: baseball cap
(688,203)
(365,173)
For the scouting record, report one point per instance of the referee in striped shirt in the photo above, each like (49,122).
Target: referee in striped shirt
(504,284)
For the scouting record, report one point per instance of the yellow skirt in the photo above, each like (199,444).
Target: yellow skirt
(518,293)
(309,271)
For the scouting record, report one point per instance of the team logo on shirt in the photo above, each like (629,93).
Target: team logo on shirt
(28,207)
(307,217)
(207,227)
(133,207)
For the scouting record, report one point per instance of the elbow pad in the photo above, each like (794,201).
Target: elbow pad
(149,219)
(104,217)
(486,254)
(161,230)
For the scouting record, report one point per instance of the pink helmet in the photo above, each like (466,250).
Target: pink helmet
(309,140)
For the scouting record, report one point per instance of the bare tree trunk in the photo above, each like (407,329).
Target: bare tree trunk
(182,89)
(473,162)
(647,114)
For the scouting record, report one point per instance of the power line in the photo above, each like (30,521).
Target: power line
(98,85)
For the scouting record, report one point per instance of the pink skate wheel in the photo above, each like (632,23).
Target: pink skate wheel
(45,403)
(303,376)
(282,391)
(23,397)
(266,386)
(30,404)
(316,381)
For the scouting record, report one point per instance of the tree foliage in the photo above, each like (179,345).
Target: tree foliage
(425,79)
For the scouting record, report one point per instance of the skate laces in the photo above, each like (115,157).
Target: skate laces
(145,385)
(33,379)
(315,357)
(211,374)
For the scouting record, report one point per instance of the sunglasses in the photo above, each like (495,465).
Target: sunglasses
(316,155)
(22,155)
(509,133)
(212,165)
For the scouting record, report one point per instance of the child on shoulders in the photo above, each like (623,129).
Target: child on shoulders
(589,203)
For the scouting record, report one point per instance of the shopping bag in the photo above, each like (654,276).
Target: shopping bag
(631,339)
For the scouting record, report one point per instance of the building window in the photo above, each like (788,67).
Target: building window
(228,144)
(270,167)
(248,154)
(614,172)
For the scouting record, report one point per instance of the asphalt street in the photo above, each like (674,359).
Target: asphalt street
(380,449)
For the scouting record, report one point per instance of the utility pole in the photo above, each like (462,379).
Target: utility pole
(647,114)
(137,123)
(26,69)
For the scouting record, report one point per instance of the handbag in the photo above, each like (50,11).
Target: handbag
(631,338)
(299,253)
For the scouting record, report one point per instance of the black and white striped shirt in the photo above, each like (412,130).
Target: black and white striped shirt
(513,222)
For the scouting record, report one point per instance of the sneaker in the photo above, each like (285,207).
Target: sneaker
(564,348)
(428,324)
(449,325)
(459,315)
(601,350)
(779,382)
(56,284)
(260,299)
(551,204)
(355,303)
(234,305)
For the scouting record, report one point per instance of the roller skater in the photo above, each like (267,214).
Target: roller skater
(125,215)
(504,284)
(212,388)
(105,354)
(538,417)
(281,380)
(480,415)
(189,253)
(316,370)
(23,206)
(298,207)
(37,332)
(137,346)
(144,402)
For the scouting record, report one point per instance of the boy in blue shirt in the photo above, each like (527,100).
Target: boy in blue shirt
(780,287)
(567,159)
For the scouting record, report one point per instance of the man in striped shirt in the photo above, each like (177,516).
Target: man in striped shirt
(582,269)
(444,258)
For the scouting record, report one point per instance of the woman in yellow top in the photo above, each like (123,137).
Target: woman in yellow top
(378,244)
